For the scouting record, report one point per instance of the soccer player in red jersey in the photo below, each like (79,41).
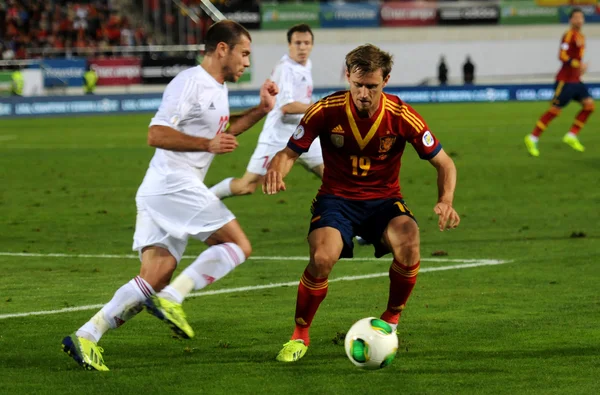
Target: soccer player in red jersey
(568,86)
(363,133)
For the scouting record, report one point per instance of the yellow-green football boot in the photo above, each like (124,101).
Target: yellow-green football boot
(573,142)
(172,313)
(85,352)
(531,146)
(292,351)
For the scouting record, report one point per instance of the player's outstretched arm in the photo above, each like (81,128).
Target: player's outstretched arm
(446,180)
(173,140)
(244,121)
(295,108)
(279,168)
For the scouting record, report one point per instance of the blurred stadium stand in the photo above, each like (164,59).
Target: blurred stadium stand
(138,45)
(34,28)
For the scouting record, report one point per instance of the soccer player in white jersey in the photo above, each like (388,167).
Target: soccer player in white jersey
(173,204)
(294,78)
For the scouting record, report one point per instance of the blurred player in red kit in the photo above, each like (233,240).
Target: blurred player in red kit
(568,86)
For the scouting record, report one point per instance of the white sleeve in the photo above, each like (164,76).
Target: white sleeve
(292,119)
(285,83)
(179,103)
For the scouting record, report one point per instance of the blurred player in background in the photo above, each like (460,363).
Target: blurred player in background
(568,86)
(173,204)
(363,135)
(293,77)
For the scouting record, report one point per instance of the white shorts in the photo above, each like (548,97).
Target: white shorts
(264,153)
(169,220)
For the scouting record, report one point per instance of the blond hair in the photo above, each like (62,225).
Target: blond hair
(368,59)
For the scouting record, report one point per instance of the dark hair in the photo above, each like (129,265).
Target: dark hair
(368,59)
(301,28)
(575,10)
(228,32)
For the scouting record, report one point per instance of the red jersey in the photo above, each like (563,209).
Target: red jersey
(362,155)
(571,52)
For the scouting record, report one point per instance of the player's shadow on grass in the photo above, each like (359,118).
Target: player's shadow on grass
(519,354)
(434,370)
(518,238)
(590,162)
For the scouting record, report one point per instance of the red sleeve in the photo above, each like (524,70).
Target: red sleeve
(417,133)
(567,44)
(563,54)
(308,129)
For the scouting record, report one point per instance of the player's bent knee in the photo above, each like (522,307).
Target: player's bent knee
(250,188)
(249,182)
(157,269)
(245,246)
(323,262)
(589,105)
(408,252)
(247,249)
(243,188)
(246,187)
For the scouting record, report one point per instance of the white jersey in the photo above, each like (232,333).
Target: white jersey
(196,104)
(295,84)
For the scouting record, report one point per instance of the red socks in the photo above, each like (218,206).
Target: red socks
(544,120)
(580,120)
(549,115)
(311,292)
(402,282)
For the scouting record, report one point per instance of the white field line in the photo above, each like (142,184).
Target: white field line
(486,262)
(254,258)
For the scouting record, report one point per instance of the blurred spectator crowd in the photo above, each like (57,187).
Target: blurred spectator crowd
(36,28)
(82,28)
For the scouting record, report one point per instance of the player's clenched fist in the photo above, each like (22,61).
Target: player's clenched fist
(449,218)
(268,91)
(273,182)
(222,143)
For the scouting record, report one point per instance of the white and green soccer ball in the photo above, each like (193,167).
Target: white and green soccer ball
(371,343)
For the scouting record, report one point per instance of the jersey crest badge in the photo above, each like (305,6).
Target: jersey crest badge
(337,140)
(386,143)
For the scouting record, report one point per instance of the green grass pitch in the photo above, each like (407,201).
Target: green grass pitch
(527,326)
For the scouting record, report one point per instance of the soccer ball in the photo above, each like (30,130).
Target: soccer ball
(371,343)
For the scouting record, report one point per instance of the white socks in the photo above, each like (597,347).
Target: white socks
(125,304)
(212,265)
(571,134)
(533,138)
(223,189)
